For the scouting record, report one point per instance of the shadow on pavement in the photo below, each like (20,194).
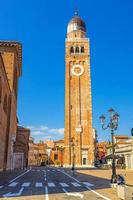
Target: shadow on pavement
(57,177)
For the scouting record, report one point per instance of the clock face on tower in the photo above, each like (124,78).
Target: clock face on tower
(77,70)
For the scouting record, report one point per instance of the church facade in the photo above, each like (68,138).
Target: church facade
(10,71)
(78,141)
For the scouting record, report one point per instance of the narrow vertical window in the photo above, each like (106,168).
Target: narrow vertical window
(71,50)
(77,50)
(82,50)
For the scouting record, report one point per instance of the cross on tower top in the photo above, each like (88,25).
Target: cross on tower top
(76,12)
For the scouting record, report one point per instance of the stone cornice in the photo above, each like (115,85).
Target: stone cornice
(4,73)
(18,47)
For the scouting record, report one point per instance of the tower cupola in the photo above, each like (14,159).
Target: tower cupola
(76,25)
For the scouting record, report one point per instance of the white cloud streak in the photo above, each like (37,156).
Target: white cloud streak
(44,132)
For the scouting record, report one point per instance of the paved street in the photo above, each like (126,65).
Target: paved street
(50,184)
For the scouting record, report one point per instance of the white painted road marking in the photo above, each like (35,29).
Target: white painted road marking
(87,184)
(14,194)
(45,176)
(38,184)
(46,193)
(13,184)
(51,185)
(64,185)
(26,184)
(75,194)
(70,176)
(20,176)
(75,184)
(98,194)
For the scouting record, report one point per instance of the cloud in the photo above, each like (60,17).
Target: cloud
(60,131)
(38,128)
(45,133)
(36,133)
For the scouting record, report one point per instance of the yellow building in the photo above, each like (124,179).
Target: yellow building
(31,153)
(43,156)
(79,142)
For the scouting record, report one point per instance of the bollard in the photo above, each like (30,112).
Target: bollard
(124,192)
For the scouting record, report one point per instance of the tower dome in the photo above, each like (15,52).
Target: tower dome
(76,24)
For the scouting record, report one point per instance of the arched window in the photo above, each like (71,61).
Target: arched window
(71,50)
(77,50)
(82,50)
(0,90)
(5,104)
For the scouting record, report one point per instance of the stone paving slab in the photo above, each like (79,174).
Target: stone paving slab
(99,174)
(101,180)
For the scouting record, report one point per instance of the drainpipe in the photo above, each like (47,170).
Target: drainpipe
(7,133)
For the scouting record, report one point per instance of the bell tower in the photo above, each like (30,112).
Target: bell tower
(79,142)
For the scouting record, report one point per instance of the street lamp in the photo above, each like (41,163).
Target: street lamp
(113,125)
(61,150)
(132,144)
(132,132)
(73,153)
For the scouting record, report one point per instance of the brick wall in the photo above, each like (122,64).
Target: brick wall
(11,56)
(22,145)
(4,112)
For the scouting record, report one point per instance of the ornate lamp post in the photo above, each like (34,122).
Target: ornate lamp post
(132,132)
(112,125)
(132,145)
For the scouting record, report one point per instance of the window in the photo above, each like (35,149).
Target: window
(77,50)
(71,50)
(0,90)
(5,104)
(84,161)
(82,50)
(55,156)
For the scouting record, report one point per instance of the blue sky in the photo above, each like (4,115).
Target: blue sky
(41,27)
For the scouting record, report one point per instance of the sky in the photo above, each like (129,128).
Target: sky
(41,28)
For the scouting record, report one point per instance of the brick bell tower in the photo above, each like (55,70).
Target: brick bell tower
(79,142)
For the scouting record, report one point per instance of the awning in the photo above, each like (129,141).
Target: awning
(116,156)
